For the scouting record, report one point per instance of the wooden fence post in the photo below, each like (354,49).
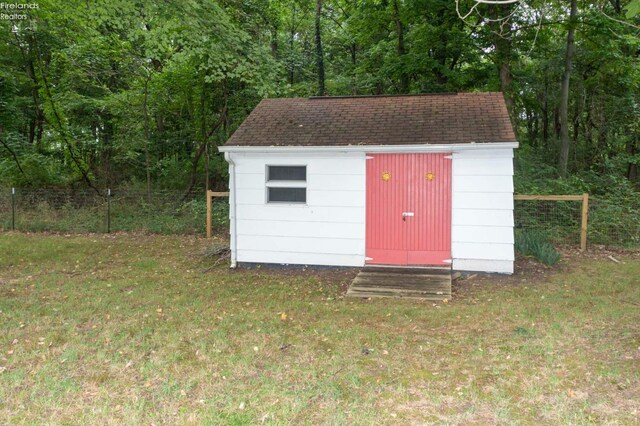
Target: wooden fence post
(210,195)
(209,199)
(585,218)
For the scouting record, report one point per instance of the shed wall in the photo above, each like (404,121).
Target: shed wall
(328,230)
(482,211)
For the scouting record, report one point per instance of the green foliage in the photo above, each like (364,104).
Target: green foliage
(536,245)
(118,93)
(633,9)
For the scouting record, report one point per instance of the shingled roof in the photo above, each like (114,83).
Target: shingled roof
(377,120)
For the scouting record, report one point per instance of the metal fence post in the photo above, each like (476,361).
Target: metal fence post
(13,209)
(108,211)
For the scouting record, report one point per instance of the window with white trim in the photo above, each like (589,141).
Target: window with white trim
(287,184)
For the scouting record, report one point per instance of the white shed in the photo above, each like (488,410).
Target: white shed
(381,180)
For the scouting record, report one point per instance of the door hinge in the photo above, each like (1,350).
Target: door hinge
(368,258)
(369,157)
(449,157)
(447,261)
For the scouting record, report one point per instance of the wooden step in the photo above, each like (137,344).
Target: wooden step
(400,295)
(414,283)
(407,270)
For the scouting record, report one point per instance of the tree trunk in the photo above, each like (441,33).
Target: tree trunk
(354,83)
(147,157)
(404,77)
(274,41)
(545,117)
(37,126)
(66,137)
(563,158)
(203,132)
(291,64)
(292,35)
(319,52)
(503,56)
(106,152)
(13,154)
(632,168)
(203,146)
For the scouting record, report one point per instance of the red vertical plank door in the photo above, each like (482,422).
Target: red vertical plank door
(429,230)
(408,209)
(386,197)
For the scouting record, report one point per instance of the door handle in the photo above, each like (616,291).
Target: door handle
(407,214)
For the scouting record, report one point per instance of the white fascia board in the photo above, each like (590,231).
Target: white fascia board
(373,148)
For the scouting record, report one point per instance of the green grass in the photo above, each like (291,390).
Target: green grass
(130,329)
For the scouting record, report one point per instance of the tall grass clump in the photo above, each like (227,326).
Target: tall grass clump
(536,245)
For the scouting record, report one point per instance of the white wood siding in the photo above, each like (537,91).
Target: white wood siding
(328,230)
(482,203)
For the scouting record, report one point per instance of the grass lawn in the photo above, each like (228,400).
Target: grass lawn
(133,329)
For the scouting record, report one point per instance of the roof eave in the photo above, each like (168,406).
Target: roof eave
(372,148)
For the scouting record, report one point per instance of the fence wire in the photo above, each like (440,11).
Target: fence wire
(614,224)
(611,224)
(83,211)
(557,221)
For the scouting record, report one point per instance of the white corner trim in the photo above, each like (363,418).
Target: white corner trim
(232,210)
(373,148)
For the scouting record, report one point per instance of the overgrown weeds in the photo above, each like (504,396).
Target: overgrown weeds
(536,245)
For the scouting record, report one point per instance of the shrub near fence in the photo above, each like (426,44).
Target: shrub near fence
(615,223)
(612,222)
(60,210)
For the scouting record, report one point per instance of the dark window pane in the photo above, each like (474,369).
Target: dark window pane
(288,195)
(287,173)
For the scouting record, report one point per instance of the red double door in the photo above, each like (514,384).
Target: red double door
(408,209)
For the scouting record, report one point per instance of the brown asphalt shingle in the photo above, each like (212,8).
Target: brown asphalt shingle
(377,120)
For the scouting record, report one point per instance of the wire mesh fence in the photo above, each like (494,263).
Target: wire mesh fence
(611,224)
(84,211)
(614,223)
(556,221)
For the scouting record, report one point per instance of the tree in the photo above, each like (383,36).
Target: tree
(319,51)
(564,92)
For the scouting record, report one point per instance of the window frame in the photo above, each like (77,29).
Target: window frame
(286,184)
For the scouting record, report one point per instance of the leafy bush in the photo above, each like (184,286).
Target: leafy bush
(536,245)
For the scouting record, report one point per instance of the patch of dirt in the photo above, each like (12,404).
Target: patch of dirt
(529,271)
(526,271)
(326,275)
